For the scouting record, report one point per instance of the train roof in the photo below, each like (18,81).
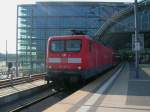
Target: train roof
(70,37)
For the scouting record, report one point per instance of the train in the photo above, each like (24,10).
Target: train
(76,58)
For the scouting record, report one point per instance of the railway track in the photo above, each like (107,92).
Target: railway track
(50,93)
(36,104)
(16,81)
(35,101)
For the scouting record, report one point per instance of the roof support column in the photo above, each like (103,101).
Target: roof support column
(136,39)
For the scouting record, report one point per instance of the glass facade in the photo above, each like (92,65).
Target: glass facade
(37,22)
(127,24)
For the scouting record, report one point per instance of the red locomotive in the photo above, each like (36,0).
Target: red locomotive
(76,58)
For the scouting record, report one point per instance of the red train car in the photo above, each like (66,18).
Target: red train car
(76,58)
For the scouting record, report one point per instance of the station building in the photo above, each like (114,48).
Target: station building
(37,22)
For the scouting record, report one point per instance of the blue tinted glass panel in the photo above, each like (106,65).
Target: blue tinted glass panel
(38,34)
(25,11)
(40,10)
(72,10)
(39,22)
(24,22)
(68,22)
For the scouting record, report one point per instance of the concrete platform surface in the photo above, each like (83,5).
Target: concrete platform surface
(121,93)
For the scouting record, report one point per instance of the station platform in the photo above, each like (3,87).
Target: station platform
(12,93)
(120,93)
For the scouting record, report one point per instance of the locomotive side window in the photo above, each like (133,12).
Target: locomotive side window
(90,46)
(73,45)
(57,46)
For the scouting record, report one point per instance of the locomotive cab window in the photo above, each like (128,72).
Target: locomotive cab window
(65,45)
(57,46)
(73,45)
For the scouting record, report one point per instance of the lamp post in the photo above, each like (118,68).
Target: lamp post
(17,44)
(136,39)
(6,54)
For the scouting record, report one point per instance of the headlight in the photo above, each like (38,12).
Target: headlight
(79,67)
(50,67)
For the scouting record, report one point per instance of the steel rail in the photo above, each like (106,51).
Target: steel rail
(28,104)
(16,81)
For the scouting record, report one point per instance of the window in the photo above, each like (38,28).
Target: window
(73,45)
(90,46)
(57,46)
(65,45)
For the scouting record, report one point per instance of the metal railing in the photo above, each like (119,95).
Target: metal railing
(117,16)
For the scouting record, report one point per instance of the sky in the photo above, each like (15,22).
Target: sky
(8,20)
